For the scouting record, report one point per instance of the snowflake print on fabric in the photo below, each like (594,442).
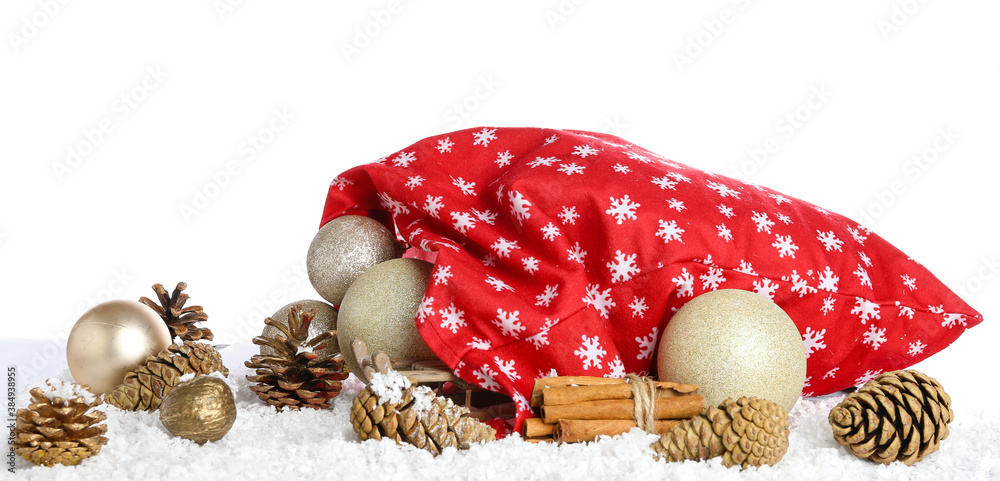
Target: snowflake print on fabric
(726,211)
(780,199)
(504,247)
(508,323)
(828,304)
(541,338)
(599,300)
(452,318)
(432,205)
(441,274)
(785,245)
(584,151)
(576,253)
(916,347)
(530,265)
(591,352)
(764,223)
(568,215)
(621,169)
(480,344)
(827,280)
(905,311)
(724,232)
(865,259)
(813,341)
(675,204)
(414,182)
(507,368)
(669,231)
(486,216)
(647,344)
(865,309)
(712,279)
(800,285)
(623,268)
(550,231)
(639,307)
(404,159)
(518,205)
(875,337)
(425,309)
(832,373)
(340,183)
(829,240)
(685,283)
(909,282)
(952,320)
(484,137)
(444,145)
(723,190)
(665,182)
(746,268)
(860,234)
(784,219)
(467,188)
(571,168)
(616,368)
(463,221)
(392,205)
(765,288)
(863,278)
(498,285)
(487,378)
(503,158)
(639,157)
(551,139)
(867,376)
(622,209)
(542,162)
(546,298)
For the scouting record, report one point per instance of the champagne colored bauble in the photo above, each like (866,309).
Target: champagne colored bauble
(202,409)
(342,250)
(325,320)
(381,307)
(734,343)
(111,339)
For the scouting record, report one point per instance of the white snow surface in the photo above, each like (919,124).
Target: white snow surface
(315,445)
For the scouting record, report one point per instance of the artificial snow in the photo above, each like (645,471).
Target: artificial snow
(320,444)
(389,387)
(66,390)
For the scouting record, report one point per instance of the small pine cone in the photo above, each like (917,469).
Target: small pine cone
(57,430)
(745,432)
(144,388)
(899,415)
(180,320)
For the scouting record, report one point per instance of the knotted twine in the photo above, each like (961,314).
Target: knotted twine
(644,394)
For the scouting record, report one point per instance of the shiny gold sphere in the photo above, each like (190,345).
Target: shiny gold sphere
(734,343)
(381,308)
(342,250)
(202,409)
(112,339)
(325,320)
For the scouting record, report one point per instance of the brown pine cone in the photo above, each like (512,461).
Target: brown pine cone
(180,320)
(57,430)
(144,388)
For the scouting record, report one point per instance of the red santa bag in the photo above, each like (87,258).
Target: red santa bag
(566,252)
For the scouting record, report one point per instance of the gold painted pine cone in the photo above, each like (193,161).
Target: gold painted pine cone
(898,416)
(144,388)
(59,431)
(180,320)
(745,432)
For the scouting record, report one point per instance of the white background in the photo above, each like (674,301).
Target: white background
(703,83)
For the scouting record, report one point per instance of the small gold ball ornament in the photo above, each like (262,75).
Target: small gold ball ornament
(734,343)
(381,308)
(325,320)
(111,339)
(342,250)
(202,409)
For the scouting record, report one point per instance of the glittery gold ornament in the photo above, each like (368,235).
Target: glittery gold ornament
(325,320)
(734,343)
(380,308)
(201,409)
(110,340)
(343,249)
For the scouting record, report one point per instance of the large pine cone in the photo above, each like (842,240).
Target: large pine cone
(144,388)
(419,418)
(745,432)
(297,375)
(899,415)
(180,320)
(59,431)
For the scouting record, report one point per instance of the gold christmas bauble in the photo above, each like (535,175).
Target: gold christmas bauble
(342,250)
(111,339)
(202,409)
(734,343)
(381,307)
(325,320)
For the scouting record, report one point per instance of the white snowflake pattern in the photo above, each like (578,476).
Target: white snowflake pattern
(866,310)
(623,268)
(785,245)
(571,168)
(498,285)
(523,404)
(860,234)
(813,341)
(480,344)
(591,352)
(953,319)
(445,145)
(780,199)
(489,260)
(784,219)
(504,247)
(463,221)
(508,323)
(669,231)
(685,283)
(916,347)
(487,378)
(452,318)
(711,279)
(568,215)
(486,216)
(722,189)
(832,373)
(746,268)
(726,211)
(621,169)
(483,137)
(865,259)
(404,159)
(441,274)
(467,188)
(542,161)
(425,310)
(616,368)
(664,182)
(679,177)
(503,158)
(392,205)
(905,311)
(639,157)
(675,204)
(584,151)
(414,181)
(530,265)
(519,206)
(507,368)
(828,304)
(867,376)
(622,209)
(546,297)
(541,338)
(875,337)
(340,182)
(909,282)
(801,285)
(827,280)
(764,223)
(765,287)
(576,253)
(550,231)
(724,232)
(862,274)
(432,205)
(639,307)
(599,300)
(647,344)
(829,240)
(551,138)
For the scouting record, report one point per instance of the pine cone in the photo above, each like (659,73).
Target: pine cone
(899,415)
(412,414)
(144,388)
(745,432)
(57,430)
(179,319)
(296,375)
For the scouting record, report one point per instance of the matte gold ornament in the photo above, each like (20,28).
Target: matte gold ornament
(734,343)
(112,339)
(343,249)
(381,307)
(325,320)
(201,409)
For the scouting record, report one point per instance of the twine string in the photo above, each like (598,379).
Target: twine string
(644,395)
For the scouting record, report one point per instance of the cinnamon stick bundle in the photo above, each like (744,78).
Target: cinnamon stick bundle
(583,430)
(535,427)
(557,381)
(573,394)
(674,407)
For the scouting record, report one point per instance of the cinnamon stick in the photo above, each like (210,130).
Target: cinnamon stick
(543,439)
(581,430)
(535,427)
(557,381)
(573,394)
(676,407)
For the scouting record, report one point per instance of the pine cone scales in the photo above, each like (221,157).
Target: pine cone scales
(745,432)
(179,319)
(900,415)
(59,431)
(297,376)
(144,388)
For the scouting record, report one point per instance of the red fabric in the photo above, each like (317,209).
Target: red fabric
(566,252)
